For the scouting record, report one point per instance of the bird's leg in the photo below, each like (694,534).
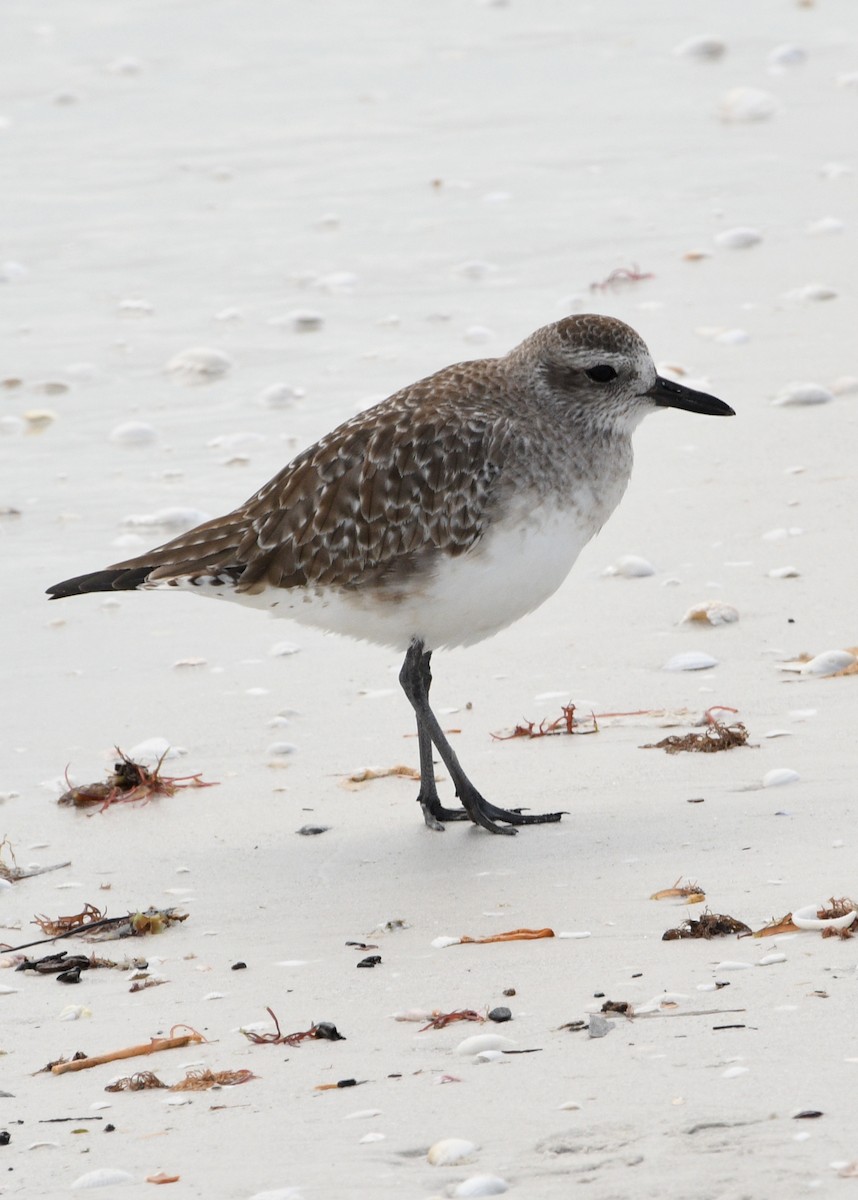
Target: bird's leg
(415,678)
(420,678)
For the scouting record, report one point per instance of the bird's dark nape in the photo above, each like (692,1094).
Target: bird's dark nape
(117,580)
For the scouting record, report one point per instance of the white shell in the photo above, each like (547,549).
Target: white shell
(732,964)
(103,1177)
(769,959)
(198,364)
(806,918)
(704,47)
(450,1151)
(784,573)
(780,776)
(631,566)
(802,394)
(575,933)
(177,519)
(813,291)
(371,1137)
(489,1056)
(483,1041)
(281,749)
(746,104)
(786,56)
(825,226)
(569,1106)
(153,749)
(829,662)
(283,648)
(716,612)
(133,433)
(481,1185)
(691,660)
(440,943)
(279,395)
(739,238)
(734,1072)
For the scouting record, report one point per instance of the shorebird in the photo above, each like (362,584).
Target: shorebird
(437,517)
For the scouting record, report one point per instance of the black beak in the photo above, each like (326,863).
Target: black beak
(668,394)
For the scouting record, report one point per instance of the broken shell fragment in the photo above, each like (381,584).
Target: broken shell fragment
(808,917)
(481,1185)
(780,776)
(829,662)
(691,660)
(481,1042)
(715,612)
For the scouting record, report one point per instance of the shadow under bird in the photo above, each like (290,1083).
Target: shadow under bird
(437,517)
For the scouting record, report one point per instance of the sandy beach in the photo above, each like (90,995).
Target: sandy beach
(228,227)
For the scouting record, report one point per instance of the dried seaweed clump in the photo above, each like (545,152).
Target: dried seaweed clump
(713,738)
(710,925)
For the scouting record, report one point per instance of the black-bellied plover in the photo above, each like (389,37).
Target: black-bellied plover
(438,517)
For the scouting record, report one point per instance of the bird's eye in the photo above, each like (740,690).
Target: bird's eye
(601,373)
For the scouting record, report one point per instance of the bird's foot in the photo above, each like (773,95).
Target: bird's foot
(486,815)
(435,814)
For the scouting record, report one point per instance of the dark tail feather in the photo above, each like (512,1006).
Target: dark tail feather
(122,580)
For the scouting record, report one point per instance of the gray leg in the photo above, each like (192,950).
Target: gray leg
(416,678)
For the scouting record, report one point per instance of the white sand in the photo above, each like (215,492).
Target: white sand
(188,158)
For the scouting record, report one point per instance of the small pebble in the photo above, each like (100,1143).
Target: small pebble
(598,1026)
(312,830)
(499,1015)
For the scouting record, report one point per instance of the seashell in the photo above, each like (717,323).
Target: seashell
(38,419)
(133,433)
(478,334)
(450,1151)
(802,394)
(189,662)
(580,933)
(289,1193)
(300,320)
(769,959)
(177,518)
(569,1106)
(440,943)
(813,291)
(631,566)
(786,56)
(705,47)
(282,649)
(732,964)
(829,662)
(481,1185)
(371,1137)
(779,776)
(103,1177)
(199,364)
(746,104)
(280,395)
(135,307)
(807,918)
(734,1072)
(783,573)
(74,1012)
(715,612)
(739,238)
(489,1056)
(153,749)
(690,660)
(484,1041)
(825,226)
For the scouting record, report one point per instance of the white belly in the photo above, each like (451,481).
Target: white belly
(514,568)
